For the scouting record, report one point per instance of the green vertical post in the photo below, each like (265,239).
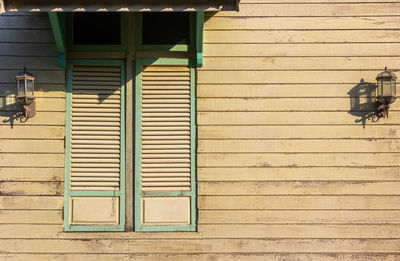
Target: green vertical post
(58,31)
(199,38)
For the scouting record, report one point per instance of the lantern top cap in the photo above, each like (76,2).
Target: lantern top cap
(25,73)
(386,75)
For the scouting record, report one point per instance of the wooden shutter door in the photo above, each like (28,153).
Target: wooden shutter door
(164,147)
(95,148)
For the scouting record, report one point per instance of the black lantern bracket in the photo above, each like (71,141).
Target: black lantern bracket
(386,92)
(25,92)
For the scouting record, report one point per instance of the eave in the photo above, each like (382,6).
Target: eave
(117,5)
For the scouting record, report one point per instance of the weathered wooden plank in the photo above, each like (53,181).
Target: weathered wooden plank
(296,132)
(31,146)
(276,90)
(41,76)
(23,35)
(297,174)
(31,188)
(337,146)
(297,36)
(28,49)
(309,10)
(41,90)
(286,77)
(290,104)
(31,174)
(31,202)
(24,22)
(31,217)
(53,231)
(199,257)
(295,118)
(299,188)
(297,217)
(31,160)
(298,160)
(31,132)
(29,231)
(42,104)
(299,231)
(41,118)
(146,246)
(298,23)
(299,202)
(362,64)
(31,63)
(299,50)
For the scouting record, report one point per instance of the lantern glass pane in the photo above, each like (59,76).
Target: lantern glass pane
(386,88)
(21,87)
(29,88)
(379,89)
(394,87)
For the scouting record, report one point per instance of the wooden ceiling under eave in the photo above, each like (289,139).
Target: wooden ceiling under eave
(117,5)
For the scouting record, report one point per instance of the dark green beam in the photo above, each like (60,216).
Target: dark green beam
(57,28)
(199,38)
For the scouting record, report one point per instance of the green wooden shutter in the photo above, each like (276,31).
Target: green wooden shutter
(95,187)
(165,148)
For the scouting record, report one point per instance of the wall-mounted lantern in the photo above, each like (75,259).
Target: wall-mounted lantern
(386,91)
(25,92)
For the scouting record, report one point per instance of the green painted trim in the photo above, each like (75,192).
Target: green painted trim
(156,47)
(161,61)
(138,145)
(193,149)
(122,198)
(172,48)
(58,33)
(97,62)
(67,147)
(62,60)
(199,38)
(102,228)
(167,228)
(76,47)
(138,114)
(93,193)
(67,192)
(166,193)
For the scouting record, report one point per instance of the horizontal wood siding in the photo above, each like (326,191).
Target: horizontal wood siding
(31,152)
(284,151)
(288,167)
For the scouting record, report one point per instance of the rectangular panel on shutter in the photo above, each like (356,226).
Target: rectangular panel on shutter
(165,128)
(95,128)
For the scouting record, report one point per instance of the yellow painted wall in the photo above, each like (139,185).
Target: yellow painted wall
(286,168)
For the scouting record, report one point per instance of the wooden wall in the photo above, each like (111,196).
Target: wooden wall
(288,167)
(283,157)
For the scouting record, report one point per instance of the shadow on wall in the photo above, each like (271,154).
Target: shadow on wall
(11,110)
(363,102)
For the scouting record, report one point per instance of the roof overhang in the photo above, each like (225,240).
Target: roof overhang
(116,5)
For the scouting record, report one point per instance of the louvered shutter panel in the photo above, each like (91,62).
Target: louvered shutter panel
(95,146)
(165,148)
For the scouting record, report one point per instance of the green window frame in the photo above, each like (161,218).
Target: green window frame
(162,47)
(137,163)
(194,53)
(67,192)
(95,47)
